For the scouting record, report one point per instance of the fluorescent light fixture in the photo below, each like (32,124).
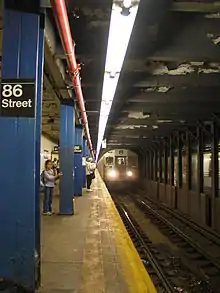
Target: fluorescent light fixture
(127,3)
(119,35)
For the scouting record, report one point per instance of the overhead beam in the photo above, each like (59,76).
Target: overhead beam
(93,112)
(141,132)
(150,124)
(172,108)
(154,120)
(192,95)
(150,121)
(192,80)
(118,144)
(144,135)
(163,104)
(111,139)
(163,56)
(196,7)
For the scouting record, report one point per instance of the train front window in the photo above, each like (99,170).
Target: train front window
(120,161)
(109,160)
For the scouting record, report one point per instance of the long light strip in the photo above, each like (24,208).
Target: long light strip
(119,35)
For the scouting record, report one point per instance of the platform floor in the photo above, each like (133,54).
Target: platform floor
(91,251)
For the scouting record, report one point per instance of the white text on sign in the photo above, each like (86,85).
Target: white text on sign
(16,104)
(16,91)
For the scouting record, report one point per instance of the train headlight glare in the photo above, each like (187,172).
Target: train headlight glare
(112,173)
(129,173)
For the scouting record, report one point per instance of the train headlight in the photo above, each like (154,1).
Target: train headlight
(129,173)
(112,173)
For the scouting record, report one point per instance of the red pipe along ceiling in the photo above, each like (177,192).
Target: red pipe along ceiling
(60,14)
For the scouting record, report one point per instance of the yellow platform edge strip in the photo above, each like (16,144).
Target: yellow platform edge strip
(136,276)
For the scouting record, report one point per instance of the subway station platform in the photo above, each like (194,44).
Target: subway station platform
(90,251)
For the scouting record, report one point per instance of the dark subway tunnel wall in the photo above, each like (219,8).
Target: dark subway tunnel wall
(182,171)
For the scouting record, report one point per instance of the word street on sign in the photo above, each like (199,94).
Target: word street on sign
(17,98)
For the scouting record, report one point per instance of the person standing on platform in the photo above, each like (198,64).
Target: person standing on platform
(49,182)
(58,166)
(90,172)
(55,163)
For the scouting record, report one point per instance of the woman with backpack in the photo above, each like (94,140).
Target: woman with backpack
(48,179)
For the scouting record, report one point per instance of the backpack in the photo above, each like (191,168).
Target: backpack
(42,178)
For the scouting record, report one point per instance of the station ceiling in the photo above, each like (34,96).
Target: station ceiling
(170,78)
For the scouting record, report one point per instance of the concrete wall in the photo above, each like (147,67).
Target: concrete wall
(46,149)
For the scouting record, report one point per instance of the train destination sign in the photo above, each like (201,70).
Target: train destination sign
(17,98)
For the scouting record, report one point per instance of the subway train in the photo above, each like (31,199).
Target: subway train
(119,168)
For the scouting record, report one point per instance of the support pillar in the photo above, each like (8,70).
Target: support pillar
(22,59)
(171,161)
(40,75)
(150,165)
(78,168)
(215,169)
(145,165)
(200,175)
(188,161)
(165,163)
(84,161)
(67,138)
(160,164)
(142,165)
(155,166)
(180,163)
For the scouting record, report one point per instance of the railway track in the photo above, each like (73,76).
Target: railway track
(199,232)
(166,271)
(200,246)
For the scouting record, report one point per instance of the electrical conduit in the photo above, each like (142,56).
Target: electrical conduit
(60,14)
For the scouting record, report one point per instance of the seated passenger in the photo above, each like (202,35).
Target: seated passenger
(49,181)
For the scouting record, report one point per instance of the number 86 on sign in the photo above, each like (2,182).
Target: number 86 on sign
(9,90)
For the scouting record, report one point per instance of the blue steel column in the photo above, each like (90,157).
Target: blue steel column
(67,138)
(18,158)
(38,139)
(87,150)
(78,162)
(84,155)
